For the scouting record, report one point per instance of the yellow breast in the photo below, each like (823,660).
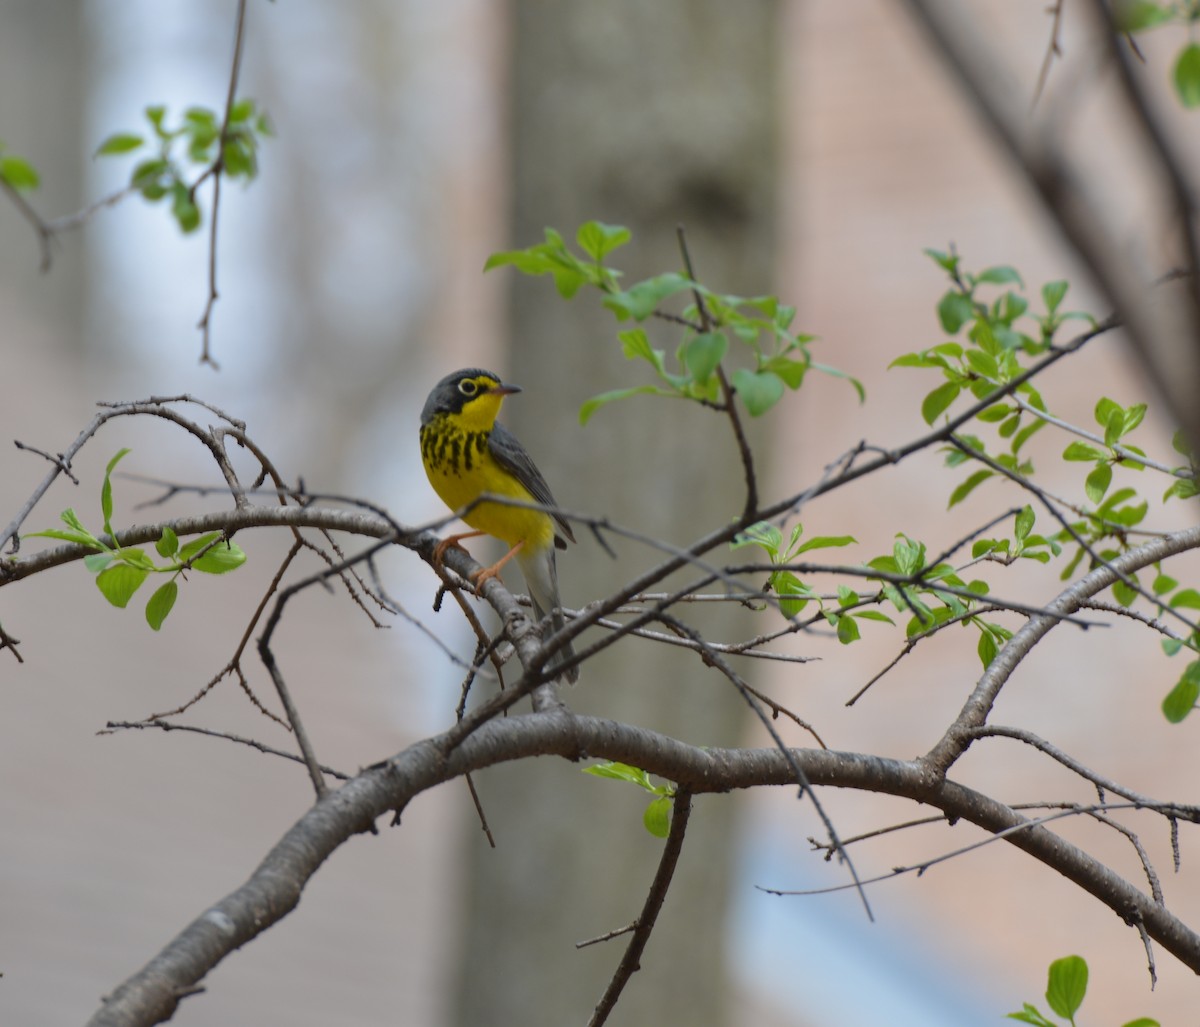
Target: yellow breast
(461,469)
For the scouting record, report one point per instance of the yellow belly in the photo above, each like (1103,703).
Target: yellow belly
(461,475)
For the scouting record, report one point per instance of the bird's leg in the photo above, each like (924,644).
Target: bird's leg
(479,577)
(439,551)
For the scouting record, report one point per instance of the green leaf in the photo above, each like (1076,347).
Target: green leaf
(954,310)
(239,157)
(703,353)
(106,502)
(596,402)
(168,544)
(793,594)
(791,371)
(657,817)
(1025,522)
(759,390)
(994,413)
(184,208)
(120,142)
(1098,481)
(642,299)
(242,110)
(135,558)
(598,240)
(847,629)
(1029,1014)
(19,173)
(193,547)
(147,178)
(987,648)
(1142,1021)
(1187,599)
(1134,416)
(933,405)
(222,558)
(119,582)
(1083,451)
(1067,985)
(1165,583)
(160,604)
(908,555)
(762,534)
(983,364)
(96,562)
(826,542)
(621,772)
(946,261)
(1125,594)
(1181,700)
(635,345)
(80,538)
(155,115)
(1053,294)
(968,486)
(1187,76)
(1000,275)
(1136,15)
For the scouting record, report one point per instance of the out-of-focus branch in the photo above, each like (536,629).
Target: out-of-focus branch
(1163,324)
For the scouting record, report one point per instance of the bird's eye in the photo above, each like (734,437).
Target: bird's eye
(468,388)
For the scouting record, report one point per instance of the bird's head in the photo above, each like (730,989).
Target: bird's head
(472,394)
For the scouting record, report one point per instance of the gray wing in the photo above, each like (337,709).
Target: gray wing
(511,455)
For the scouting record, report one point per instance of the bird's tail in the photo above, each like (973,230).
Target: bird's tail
(541,578)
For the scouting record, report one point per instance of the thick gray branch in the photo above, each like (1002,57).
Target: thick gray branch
(274,889)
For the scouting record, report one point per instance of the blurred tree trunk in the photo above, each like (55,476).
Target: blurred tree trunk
(651,116)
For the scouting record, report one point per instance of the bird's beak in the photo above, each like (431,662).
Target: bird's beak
(504,389)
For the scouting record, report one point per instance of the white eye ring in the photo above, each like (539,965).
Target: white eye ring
(468,388)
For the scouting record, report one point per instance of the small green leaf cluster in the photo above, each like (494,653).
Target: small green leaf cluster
(657,818)
(232,151)
(1022,546)
(120,571)
(1181,700)
(1139,15)
(988,358)
(17,172)
(991,357)
(761,325)
(1117,421)
(1184,488)
(931,607)
(1065,991)
(793,593)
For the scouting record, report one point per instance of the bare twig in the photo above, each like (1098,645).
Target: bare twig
(165,725)
(631,960)
(214,171)
(750,509)
(1054,49)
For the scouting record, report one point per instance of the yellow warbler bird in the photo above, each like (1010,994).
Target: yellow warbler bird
(467,453)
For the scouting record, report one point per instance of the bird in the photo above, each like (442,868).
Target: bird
(466,453)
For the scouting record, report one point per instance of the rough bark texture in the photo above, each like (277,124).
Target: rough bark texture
(651,116)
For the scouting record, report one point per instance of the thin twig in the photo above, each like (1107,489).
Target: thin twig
(214,171)
(1052,51)
(750,509)
(164,725)
(631,960)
